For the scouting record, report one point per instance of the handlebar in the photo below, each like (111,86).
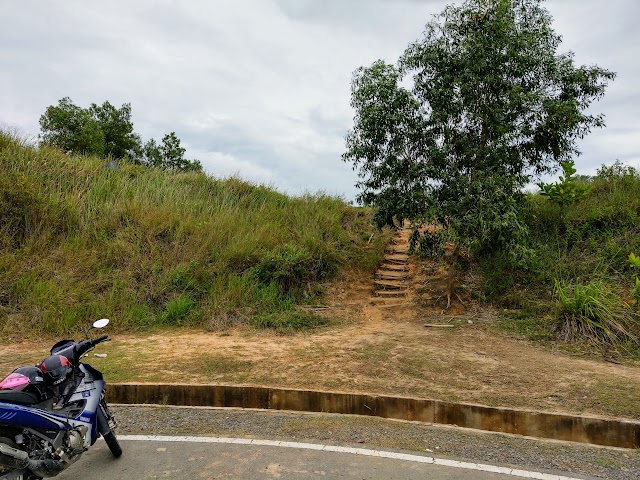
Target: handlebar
(86,345)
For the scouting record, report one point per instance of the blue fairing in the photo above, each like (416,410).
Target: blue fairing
(90,390)
(24,416)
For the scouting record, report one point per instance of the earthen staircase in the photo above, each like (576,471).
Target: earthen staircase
(392,279)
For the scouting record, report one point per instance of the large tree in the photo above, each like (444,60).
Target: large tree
(120,140)
(102,130)
(471,113)
(71,128)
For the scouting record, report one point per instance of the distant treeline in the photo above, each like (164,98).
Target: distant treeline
(107,131)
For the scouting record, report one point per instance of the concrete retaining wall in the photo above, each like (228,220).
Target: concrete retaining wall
(615,433)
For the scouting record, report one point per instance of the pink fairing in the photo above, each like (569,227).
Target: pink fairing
(15,381)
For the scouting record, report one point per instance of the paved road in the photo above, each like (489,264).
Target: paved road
(150,458)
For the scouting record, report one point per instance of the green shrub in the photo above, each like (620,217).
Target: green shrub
(190,278)
(616,176)
(589,311)
(567,190)
(590,239)
(635,292)
(291,268)
(428,243)
(178,310)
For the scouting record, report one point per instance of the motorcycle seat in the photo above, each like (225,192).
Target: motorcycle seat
(12,396)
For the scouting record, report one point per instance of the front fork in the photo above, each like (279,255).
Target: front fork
(106,421)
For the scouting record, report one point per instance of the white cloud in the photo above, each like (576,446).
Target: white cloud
(223,165)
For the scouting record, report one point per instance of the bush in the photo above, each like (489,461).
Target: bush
(291,268)
(428,242)
(567,191)
(178,310)
(634,262)
(591,312)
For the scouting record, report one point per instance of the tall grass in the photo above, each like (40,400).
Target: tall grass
(590,311)
(79,240)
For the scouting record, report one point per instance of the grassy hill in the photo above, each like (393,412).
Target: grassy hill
(81,240)
(577,281)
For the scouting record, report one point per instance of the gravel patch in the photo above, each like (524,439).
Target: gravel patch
(371,432)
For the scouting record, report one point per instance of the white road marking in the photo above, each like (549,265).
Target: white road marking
(356,451)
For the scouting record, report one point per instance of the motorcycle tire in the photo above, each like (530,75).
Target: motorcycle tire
(112,443)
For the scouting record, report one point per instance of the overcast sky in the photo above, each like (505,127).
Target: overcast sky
(261,88)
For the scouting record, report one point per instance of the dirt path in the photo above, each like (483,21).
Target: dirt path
(380,344)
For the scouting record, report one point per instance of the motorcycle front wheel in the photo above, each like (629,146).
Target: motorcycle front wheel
(112,443)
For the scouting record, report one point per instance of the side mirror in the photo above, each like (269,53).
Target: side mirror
(103,322)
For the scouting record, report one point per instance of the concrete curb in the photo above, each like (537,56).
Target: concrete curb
(598,431)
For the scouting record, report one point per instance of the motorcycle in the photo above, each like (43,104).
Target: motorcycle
(51,413)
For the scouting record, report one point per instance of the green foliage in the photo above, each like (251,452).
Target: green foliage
(616,176)
(589,311)
(101,130)
(18,208)
(598,234)
(291,268)
(189,278)
(591,240)
(387,120)
(107,131)
(24,212)
(172,152)
(635,263)
(169,155)
(177,310)
(492,104)
(120,141)
(428,243)
(566,191)
(148,247)
(152,155)
(72,129)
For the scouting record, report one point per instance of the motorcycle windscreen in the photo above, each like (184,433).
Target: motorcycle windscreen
(15,381)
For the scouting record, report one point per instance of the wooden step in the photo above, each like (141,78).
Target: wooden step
(390,302)
(389,285)
(398,261)
(396,267)
(396,251)
(396,257)
(390,293)
(386,275)
(400,242)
